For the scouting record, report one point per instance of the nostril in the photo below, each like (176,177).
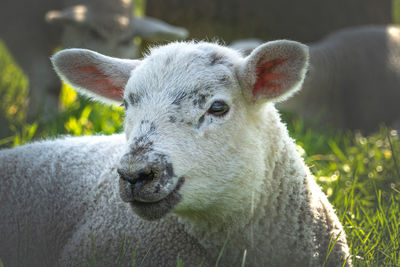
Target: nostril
(137,178)
(144,174)
(124,175)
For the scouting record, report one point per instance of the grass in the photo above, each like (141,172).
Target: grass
(360,174)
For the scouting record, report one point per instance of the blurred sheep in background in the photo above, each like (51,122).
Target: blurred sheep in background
(32,30)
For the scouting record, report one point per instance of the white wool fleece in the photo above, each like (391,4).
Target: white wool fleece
(204,160)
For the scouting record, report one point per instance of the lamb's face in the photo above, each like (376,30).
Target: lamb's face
(186,126)
(192,119)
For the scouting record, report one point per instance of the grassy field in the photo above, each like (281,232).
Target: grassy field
(360,174)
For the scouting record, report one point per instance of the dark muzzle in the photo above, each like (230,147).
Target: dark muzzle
(140,177)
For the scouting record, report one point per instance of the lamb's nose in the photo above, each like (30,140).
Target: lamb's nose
(140,177)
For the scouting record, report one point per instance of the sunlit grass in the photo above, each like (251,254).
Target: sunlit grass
(77,114)
(13,88)
(14,130)
(85,117)
(360,175)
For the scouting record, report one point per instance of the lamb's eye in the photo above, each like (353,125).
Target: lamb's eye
(218,108)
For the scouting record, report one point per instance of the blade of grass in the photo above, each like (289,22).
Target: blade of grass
(337,151)
(330,248)
(179,262)
(344,263)
(145,256)
(122,251)
(244,258)
(222,251)
(6,140)
(202,262)
(134,256)
(393,154)
(92,252)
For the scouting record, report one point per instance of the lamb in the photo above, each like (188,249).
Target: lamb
(353,81)
(204,167)
(32,30)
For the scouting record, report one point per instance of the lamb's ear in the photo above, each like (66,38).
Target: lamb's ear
(274,71)
(93,74)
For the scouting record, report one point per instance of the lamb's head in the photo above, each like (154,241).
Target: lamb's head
(102,27)
(194,116)
(109,27)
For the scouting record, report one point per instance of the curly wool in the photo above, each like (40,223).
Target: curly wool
(65,192)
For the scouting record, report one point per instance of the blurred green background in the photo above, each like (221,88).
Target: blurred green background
(360,174)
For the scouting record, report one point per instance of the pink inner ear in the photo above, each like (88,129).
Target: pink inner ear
(100,84)
(267,81)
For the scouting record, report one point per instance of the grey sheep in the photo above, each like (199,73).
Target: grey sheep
(32,30)
(353,80)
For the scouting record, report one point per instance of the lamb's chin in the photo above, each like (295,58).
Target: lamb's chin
(157,210)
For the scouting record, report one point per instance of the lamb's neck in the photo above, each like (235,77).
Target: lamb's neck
(275,224)
(276,217)
(255,223)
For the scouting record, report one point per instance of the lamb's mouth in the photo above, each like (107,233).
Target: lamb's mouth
(154,210)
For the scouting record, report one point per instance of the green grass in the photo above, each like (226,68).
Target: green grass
(77,116)
(360,174)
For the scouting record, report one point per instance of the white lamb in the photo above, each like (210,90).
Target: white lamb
(204,160)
